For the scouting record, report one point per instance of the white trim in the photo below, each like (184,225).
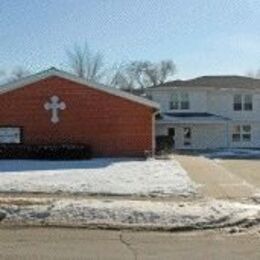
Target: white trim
(191,121)
(154,132)
(246,89)
(65,75)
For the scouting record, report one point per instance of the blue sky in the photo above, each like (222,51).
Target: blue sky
(201,36)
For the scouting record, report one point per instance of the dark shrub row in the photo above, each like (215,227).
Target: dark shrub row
(45,152)
(164,143)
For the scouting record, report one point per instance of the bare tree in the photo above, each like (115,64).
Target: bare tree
(254,74)
(121,77)
(15,74)
(137,71)
(18,73)
(86,64)
(143,74)
(166,68)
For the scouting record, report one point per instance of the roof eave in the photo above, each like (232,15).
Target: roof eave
(62,74)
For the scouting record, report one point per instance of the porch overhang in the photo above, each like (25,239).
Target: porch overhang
(191,118)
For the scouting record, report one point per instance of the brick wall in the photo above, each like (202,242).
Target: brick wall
(113,126)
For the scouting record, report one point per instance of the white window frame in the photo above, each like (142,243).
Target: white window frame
(237,102)
(174,101)
(247,133)
(248,105)
(180,101)
(245,102)
(241,134)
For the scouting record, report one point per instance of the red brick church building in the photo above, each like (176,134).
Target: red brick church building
(54,106)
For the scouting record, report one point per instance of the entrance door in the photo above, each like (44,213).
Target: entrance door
(172,133)
(187,137)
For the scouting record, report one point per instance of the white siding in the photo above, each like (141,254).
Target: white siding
(203,136)
(218,101)
(221,103)
(209,136)
(198,99)
(255,136)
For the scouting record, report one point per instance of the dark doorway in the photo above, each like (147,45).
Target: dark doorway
(171,133)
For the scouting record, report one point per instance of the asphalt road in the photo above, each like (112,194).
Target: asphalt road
(51,243)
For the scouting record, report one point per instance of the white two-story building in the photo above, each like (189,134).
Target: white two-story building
(209,112)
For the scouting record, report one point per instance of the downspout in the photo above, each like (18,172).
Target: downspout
(227,134)
(155,113)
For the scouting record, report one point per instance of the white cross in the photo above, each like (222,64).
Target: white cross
(54,106)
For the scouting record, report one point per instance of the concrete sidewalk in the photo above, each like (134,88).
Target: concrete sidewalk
(216,181)
(48,243)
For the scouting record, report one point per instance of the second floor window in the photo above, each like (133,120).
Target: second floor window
(180,101)
(248,103)
(185,104)
(238,102)
(243,102)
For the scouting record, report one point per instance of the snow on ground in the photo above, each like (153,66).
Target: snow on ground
(133,214)
(98,176)
(234,153)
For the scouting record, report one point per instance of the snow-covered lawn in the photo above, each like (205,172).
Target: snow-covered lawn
(131,214)
(98,176)
(234,153)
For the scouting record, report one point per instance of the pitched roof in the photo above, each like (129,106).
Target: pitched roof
(190,117)
(215,81)
(65,75)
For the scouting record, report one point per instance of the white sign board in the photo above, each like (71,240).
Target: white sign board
(10,135)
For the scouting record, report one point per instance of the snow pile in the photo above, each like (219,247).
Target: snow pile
(234,153)
(99,176)
(133,214)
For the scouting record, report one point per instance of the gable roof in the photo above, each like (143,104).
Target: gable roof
(215,82)
(65,75)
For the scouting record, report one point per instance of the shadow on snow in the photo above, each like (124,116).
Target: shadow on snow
(42,165)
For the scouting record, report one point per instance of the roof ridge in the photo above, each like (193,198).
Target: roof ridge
(52,71)
(214,80)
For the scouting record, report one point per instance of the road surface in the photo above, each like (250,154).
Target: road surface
(52,243)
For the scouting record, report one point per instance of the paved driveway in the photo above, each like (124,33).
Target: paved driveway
(246,169)
(223,179)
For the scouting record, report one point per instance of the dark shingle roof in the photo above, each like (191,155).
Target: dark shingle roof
(192,114)
(189,116)
(215,81)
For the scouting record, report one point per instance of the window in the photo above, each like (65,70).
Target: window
(180,101)
(236,133)
(187,136)
(237,102)
(241,133)
(174,104)
(10,135)
(185,101)
(246,133)
(248,103)
(243,102)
